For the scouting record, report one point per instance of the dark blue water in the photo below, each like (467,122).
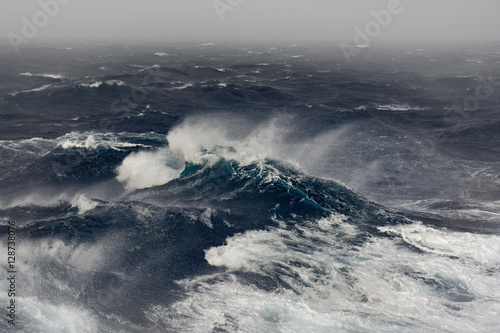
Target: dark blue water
(252,188)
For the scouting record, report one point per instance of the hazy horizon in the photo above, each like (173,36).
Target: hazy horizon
(256,20)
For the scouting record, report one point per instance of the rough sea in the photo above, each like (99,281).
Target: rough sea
(270,187)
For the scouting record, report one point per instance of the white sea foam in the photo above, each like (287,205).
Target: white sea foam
(394,107)
(40,316)
(35,146)
(187,85)
(481,211)
(41,88)
(83,203)
(382,285)
(398,107)
(34,199)
(82,257)
(199,143)
(45,87)
(94,140)
(50,76)
(243,251)
(146,169)
(483,249)
(155,66)
(97,84)
(206,216)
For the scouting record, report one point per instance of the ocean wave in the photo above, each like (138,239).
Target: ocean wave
(35,146)
(155,66)
(83,203)
(49,76)
(147,169)
(35,200)
(184,86)
(41,88)
(88,140)
(203,143)
(43,316)
(480,250)
(97,84)
(396,107)
(218,69)
(309,279)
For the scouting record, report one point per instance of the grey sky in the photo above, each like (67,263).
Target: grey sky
(431,20)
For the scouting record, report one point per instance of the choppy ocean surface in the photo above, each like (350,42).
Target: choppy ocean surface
(251,188)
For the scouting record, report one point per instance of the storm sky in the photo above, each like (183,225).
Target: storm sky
(202,20)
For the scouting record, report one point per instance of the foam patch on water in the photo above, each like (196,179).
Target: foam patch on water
(196,141)
(88,140)
(483,249)
(232,307)
(82,257)
(243,251)
(38,263)
(44,317)
(34,199)
(205,142)
(37,89)
(49,76)
(327,285)
(37,146)
(107,140)
(146,169)
(83,203)
(97,84)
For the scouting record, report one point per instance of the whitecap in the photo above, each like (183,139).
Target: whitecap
(187,85)
(42,88)
(97,84)
(155,66)
(398,107)
(83,203)
(148,168)
(381,285)
(483,249)
(50,76)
